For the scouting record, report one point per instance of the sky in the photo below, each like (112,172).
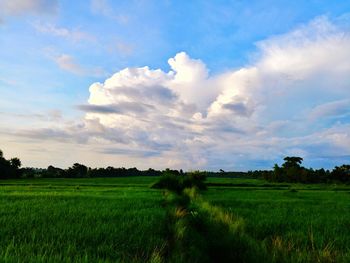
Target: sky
(234,85)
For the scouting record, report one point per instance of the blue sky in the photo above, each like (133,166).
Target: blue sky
(190,84)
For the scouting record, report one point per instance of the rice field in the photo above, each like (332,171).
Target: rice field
(124,220)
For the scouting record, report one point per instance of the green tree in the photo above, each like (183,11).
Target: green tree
(77,170)
(292,162)
(15,163)
(9,168)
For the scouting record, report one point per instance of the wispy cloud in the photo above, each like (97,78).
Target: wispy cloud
(53,115)
(25,7)
(73,35)
(68,63)
(333,109)
(104,8)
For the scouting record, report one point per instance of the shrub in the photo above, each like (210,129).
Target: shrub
(178,182)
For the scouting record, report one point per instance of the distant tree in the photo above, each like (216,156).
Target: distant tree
(54,172)
(341,173)
(292,162)
(277,174)
(9,168)
(77,171)
(15,162)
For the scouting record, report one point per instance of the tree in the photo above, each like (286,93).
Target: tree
(9,168)
(292,162)
(341,173)
(77,170)
(15,163)
(277,174)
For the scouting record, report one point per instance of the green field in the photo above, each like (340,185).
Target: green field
(80,220)
(305,222)
(124,220)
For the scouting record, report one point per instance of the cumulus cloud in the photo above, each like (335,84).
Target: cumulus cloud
(25,7)
(256,112)
(247,118)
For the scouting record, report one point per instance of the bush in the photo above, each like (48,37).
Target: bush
(177,182)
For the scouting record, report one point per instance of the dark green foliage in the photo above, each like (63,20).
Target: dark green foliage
(81,171)
(9,168)
(77,171)
(177,182)
(292,162)
(170,182)
(291,171)
(121,172)
(15,163)
(341,173)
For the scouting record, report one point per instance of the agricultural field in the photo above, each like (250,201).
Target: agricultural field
(125,220)
(80,220)
(302,223)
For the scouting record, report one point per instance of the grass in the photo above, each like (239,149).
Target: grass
(124,220)
(61,222)
(201,232)
(303,223)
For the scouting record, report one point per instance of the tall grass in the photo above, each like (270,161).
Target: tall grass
(200,232)
(310,224)
(123,220)
(42,223)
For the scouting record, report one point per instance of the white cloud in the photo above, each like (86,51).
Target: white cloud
(242,119)
(239,112)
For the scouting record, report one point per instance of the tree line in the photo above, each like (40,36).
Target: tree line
(291,171)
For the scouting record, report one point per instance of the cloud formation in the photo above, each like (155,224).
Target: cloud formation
(292,99)
(73,35)
(104,8)
(25,7)
(68,63)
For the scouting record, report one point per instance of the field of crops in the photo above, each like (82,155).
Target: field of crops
(124,220)
(302,222)
(82,220)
